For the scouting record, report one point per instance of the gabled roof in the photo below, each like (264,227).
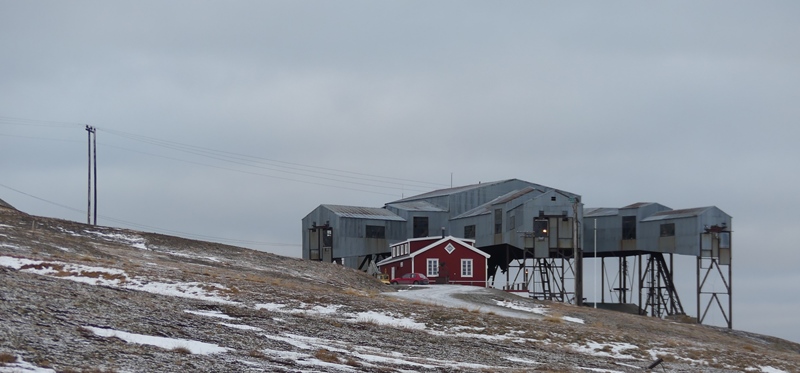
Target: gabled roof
(417,206)
(487,207)
(357,212)
(393,259)
(508,197)
(676,214)
(637,205)
(445,239)
(459,241)
(449,191)
(596,212)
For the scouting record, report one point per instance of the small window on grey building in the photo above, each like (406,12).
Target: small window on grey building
(512,222)
(327,237)
(376,231)
(420,226)
(469,231)
(540,227)
(628,227)
(667,230)
(498,221)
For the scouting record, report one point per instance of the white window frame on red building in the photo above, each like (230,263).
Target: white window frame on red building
(467,268)
(432,270)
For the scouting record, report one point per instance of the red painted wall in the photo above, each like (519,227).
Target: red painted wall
(451,271)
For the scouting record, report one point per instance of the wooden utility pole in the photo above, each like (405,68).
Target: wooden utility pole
(91,131)
(94,148)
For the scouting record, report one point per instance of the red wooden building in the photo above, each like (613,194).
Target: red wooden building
(444,260)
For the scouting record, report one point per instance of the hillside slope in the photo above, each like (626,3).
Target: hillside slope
(79,298)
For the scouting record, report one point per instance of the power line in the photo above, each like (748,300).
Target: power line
(38,123)
(252,173)
(231,156)
(291,168)
(155,229)
(37,138)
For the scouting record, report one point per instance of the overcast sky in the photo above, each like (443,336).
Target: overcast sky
(233,120)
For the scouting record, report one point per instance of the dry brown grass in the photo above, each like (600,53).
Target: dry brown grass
(95,274)
(6,358)
(326,356)
(554,318)
(182,350)
(352,362)
(44,265)
(355,292)
(256,354)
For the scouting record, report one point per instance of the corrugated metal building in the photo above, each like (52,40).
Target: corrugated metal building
(497,215)
(652,228)
(650,234)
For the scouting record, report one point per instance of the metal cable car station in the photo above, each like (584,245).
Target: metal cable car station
(538,237)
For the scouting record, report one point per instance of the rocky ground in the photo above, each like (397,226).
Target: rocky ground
(78,298)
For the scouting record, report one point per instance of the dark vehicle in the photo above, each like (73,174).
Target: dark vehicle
(411,279)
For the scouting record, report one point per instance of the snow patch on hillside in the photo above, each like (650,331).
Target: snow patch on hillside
(117,278)
(195,347)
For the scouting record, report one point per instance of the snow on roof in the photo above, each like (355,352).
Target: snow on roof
(637,205)
(677,214)
(596,212)
(417,206)
(449,191)
(487,207)
(357,212)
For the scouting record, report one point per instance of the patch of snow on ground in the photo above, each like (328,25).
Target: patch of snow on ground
(326,310)
(190,256)
(10,246)
(601,349)
(289,355)
(195,347)
(69,232)
(22,366)
(572,319)
(518,307)
(365,353)
(600,370)
(135,241)
(536,310)
(5,226)
(240,326)
(384,319)
(290,339)
(383,360)
(192,290)
(769,369)
(274,307)
(116,278)
(210,314)
(627,365)
(521,360)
